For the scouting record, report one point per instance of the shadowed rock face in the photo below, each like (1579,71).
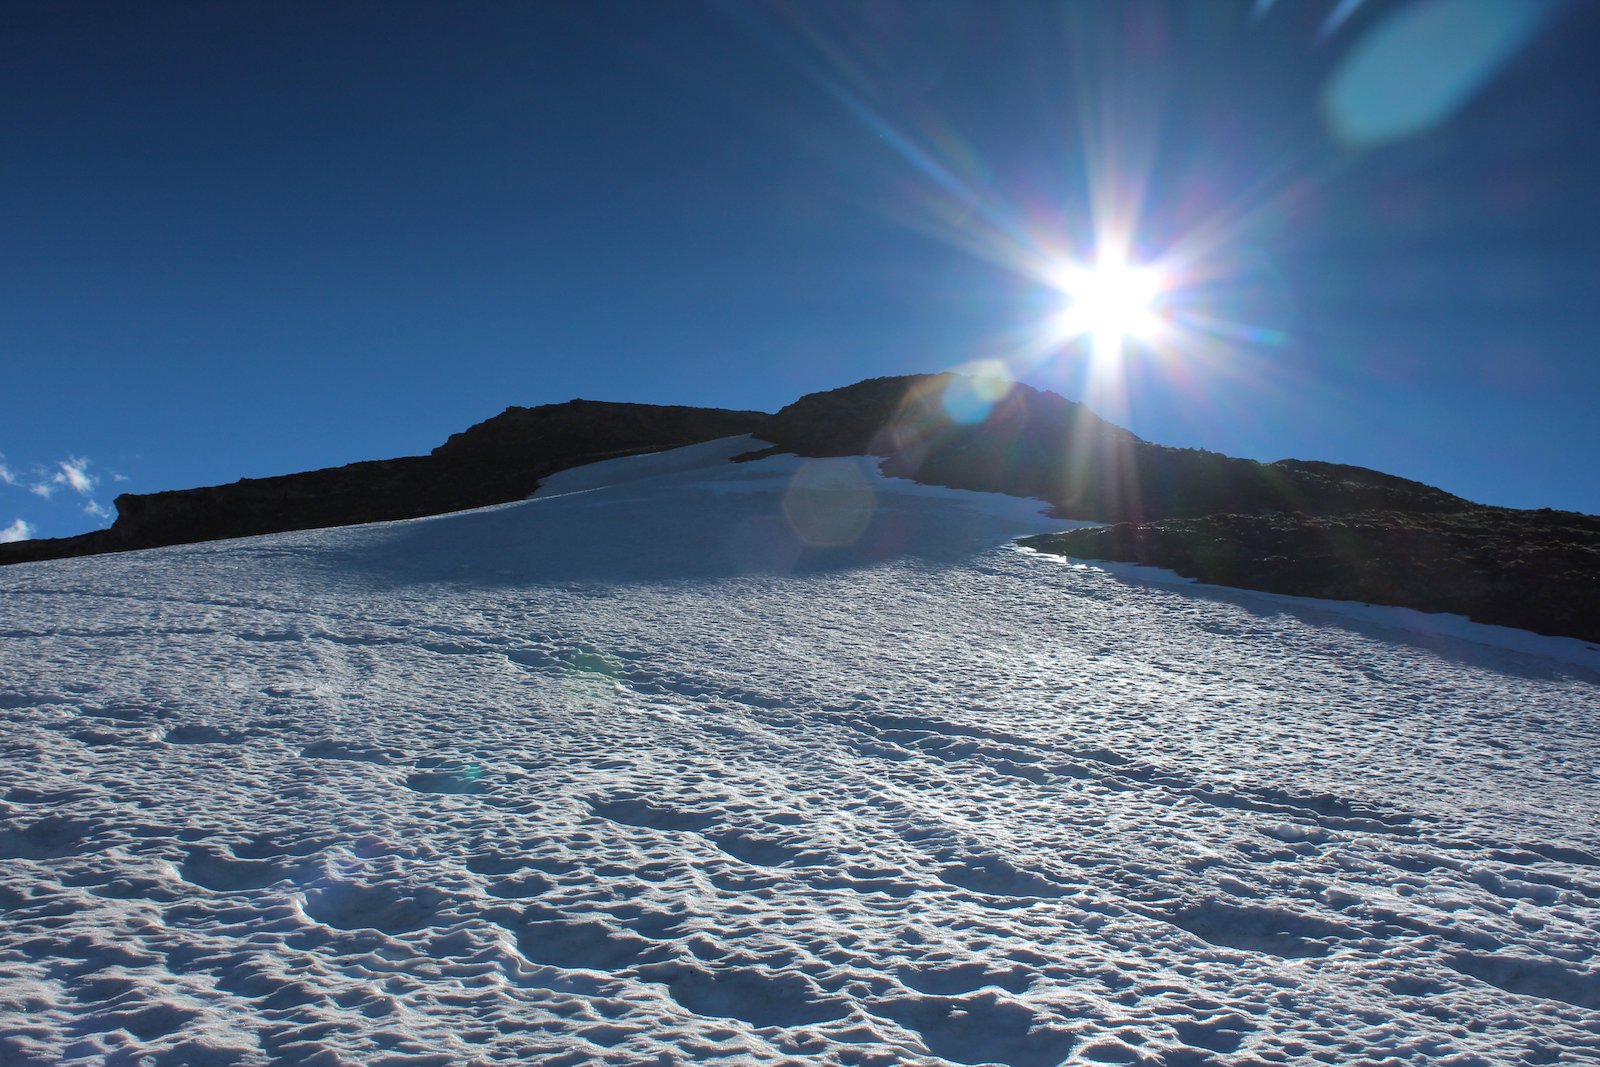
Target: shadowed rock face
(1295,526)
(1536,570)
(496,461)
(1038,444)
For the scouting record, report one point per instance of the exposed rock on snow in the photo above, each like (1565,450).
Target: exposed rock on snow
(1537,570)
(1004,437)
(501,459)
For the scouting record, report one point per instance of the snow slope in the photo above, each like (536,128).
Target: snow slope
(690,761)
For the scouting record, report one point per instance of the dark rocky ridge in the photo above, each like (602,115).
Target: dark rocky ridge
(1301,527)
(1294,526)
(1536,570)
(496,461)
(1039,444)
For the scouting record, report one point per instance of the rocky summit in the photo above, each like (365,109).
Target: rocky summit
(967,433)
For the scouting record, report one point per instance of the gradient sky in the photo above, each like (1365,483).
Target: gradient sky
(246,239)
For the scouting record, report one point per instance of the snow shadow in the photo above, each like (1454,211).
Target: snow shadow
(1518,653)
(691,514)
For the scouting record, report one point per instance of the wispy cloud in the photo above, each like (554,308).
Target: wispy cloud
(75,472)
(72,477)
(72,472)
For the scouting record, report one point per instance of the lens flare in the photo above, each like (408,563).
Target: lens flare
(830,502)
(968,399)
(1136,266)
(1110,302)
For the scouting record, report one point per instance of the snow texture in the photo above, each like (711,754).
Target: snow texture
(783,761)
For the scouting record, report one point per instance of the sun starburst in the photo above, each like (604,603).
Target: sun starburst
(1111,302)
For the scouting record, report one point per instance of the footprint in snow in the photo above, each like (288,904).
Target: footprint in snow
(1219,1034)
(201,734)
(983,1028)
(650,816)
(145,1021)
(331,748)
(997,876)
(493,863)
(51,837)
(387,909)
(1258,929)
(546,939)
(111,886)
(223,873)
(763,852)
(1318,809)
(1528,977)
(963,978)
(755,996)
(519,886)
(866,880)
(745,847)
(1563,854)
(125,712)
(435,775)
(28,700)
(274,845)
(656,925)
(95,737)
(23,794)
(271,637)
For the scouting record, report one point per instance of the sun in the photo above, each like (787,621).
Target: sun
(1110,302)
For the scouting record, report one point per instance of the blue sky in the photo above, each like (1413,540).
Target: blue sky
(254,238)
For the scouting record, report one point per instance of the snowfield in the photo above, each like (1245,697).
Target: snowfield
(686,761)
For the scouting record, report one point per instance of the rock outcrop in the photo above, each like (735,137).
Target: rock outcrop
(966,433)
(1535,570)
(1302,527)
(496,461)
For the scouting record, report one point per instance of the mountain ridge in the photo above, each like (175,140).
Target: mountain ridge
(1307,527)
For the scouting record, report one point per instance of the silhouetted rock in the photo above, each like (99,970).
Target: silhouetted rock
(496,461)
(552,432)
(945,429)
(1536,570)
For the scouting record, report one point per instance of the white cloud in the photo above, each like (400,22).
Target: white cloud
(75,472)
(97,509)
(71,473)
(17,531)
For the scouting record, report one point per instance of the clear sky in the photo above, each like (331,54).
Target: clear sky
(245,239)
